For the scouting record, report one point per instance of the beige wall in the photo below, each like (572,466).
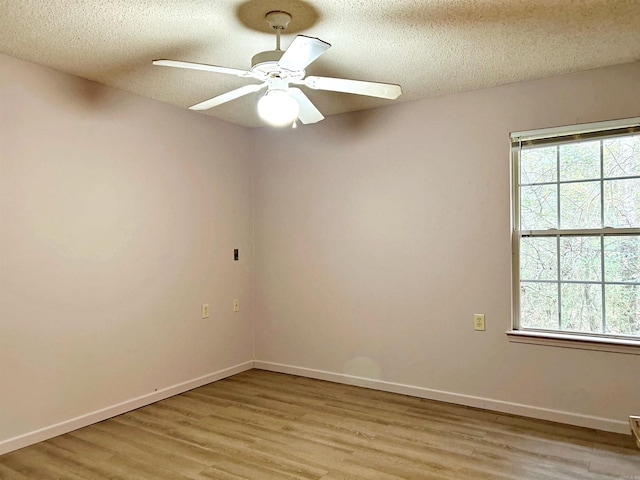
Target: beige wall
(379,234)
(119,216)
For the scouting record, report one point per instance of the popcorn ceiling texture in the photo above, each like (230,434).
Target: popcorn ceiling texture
(429,47)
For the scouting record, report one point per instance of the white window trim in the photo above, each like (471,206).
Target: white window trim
(576,340)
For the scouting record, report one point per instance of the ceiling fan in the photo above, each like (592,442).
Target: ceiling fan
(280,71)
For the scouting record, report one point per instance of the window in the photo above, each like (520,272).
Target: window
(576,231)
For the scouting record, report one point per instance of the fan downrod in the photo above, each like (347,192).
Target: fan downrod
(278,21)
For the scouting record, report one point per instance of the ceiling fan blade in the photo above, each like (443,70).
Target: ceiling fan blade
(207,68)
(227,97)
(372,89)
(308,111)
(302,51)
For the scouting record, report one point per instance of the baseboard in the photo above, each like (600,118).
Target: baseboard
(84,420)
(570,418)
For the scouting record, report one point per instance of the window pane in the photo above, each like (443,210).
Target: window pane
(580,258)
(621,156)
(623,309)
(582,307)
(622,259)
(622,203)
(538,258)
(580,161)
(539,207)
(580,205)
(538,165)
(539,305)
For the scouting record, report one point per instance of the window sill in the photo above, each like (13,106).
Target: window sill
(613,345)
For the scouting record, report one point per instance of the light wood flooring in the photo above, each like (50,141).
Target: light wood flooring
(260,425)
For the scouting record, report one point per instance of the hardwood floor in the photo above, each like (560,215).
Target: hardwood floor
(261,425)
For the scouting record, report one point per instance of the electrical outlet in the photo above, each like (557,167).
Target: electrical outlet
(236,305)
(478,321)
(205,310)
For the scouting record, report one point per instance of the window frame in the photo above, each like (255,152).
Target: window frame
(556,136)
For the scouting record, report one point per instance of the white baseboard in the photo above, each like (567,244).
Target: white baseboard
(570,418)
(108,412)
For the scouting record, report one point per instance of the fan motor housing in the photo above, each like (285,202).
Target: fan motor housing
(270,56)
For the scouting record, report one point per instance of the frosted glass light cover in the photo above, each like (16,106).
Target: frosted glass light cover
(278,108)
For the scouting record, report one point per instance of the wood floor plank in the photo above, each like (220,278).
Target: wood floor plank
(543,446)
(261,425)
(527,464)
(81,448)
(7,472)
(350,471)
(44,461)
(617,463)
(147,452)
(165,443)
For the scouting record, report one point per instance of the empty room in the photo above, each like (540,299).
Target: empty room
(334,240)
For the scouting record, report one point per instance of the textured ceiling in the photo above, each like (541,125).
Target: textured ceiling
(429,47)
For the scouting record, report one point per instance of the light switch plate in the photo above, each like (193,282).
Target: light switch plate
(236,305)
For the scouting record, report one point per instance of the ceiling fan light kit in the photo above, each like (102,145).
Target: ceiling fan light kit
(280,72)
(277,108)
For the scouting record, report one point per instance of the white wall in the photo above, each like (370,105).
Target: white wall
(378,235)
(119,216)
